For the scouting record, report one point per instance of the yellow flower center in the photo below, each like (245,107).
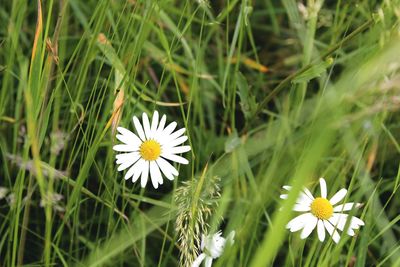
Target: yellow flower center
(321,208)
(150,150)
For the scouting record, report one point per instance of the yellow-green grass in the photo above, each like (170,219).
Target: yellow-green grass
(271,93)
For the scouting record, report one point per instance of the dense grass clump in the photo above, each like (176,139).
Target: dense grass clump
(271,93)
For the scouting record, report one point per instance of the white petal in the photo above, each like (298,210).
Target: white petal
(129,162)
(166,173)
(124,139)
(297,227)
(123,131)
(298,222)
(124,157)
(125,148)
(176,134)
(308,193)
(350,232)
(338,220)
(283,196)
(169,129)
(300,207)
(146,125)
(139,128)
(139,171)
(145,174)
(175,142)
(154,123)
(175,158)
(128,137)
(168,170)
(161,124)
(208,262)
(136,168)
(346,206)
(338,196)
(198,260)
(322,184)
(129,173)
(155,174)
(179,149)
(304,199)
(309,227)
(321,230)
(356,222)
(332,231)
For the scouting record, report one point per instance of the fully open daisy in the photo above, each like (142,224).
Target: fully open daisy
(323,213)
(148,151)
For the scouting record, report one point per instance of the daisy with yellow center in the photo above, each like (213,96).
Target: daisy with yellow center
(148,152)
(323,213)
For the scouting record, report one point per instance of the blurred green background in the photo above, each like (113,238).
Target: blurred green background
(271,93)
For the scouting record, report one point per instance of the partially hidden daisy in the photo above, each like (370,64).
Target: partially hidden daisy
(148,151)
(323,213)
(212,247)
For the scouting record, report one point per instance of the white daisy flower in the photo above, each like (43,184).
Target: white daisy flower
(212,247)
(323,214)
(148,151)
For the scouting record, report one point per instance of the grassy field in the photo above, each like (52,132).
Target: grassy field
(271,93)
